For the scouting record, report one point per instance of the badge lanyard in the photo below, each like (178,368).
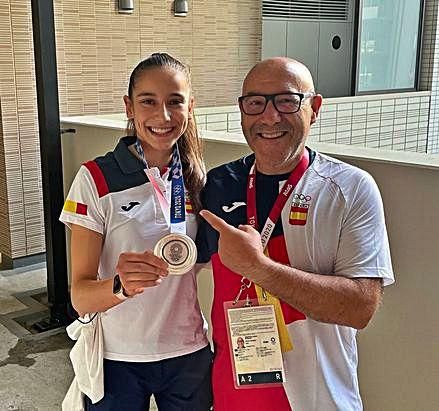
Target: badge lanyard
(175,214)
(264,297)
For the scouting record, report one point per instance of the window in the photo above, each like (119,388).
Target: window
(388,45)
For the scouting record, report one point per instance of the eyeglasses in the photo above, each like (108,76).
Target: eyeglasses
(286,103)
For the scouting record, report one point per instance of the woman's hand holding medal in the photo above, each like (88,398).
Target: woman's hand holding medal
(138,271)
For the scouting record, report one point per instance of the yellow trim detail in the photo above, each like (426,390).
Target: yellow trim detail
(70,205)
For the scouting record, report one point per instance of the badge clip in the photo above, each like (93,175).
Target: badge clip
(245,284)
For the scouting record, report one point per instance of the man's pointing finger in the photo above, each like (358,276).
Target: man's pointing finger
(216,222)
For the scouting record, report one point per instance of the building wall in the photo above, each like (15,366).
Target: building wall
(97,48)
(5,237)
(430,71)
(96,51)
(21,212)
(386,121)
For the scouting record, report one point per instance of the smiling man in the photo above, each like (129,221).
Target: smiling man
(306,249)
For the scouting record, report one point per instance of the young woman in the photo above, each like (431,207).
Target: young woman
(118,210)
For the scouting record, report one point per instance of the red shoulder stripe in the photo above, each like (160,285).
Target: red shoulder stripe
(98,177)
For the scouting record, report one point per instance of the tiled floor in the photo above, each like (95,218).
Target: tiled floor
(35,370)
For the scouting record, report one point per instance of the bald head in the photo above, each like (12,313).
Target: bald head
(278,106)
(282,68)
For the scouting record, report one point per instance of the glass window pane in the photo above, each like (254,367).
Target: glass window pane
(388,44)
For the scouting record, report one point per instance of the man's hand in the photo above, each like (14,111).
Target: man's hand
(140,270)
(240,249)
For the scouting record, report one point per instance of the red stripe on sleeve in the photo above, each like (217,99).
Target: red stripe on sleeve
(81,209)
(98,177)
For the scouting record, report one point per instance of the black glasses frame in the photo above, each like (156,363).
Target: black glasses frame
(271,97)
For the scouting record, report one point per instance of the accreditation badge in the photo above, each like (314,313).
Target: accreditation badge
(254,345)
(178,250)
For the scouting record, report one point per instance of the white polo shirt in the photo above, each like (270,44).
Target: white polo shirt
(112,196)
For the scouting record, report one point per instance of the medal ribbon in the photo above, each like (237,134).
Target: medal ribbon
(175,214)
(264,297)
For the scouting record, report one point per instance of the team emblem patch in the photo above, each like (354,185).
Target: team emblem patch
(299,209)
(74,207)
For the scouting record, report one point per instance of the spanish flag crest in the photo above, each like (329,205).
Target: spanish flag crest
(299,209)
(74,207)
(188,204)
